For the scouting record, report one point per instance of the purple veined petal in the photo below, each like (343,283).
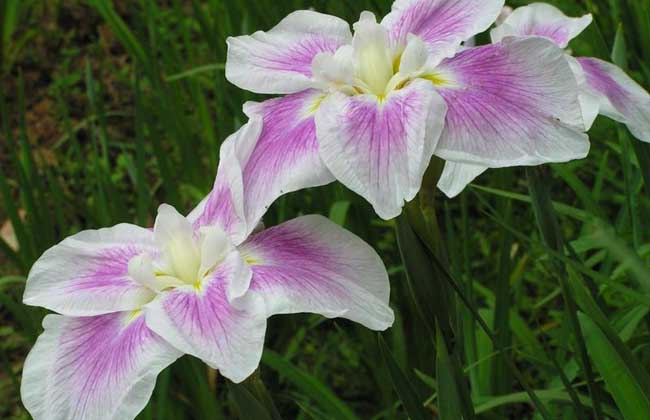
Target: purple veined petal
(279,61)
(285,156)
(101,368)
(310,264)
(620,97)
(220,321)
(224,206)
(510,104)
(541,19)
(380,148)
(456,176)
(441,24)
(88,273)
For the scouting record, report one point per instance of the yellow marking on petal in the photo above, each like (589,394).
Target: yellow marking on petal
(397,63)
(437,79)
(250,260)
(133,315)
(316,104)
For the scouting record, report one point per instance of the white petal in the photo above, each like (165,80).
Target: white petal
(620,97)
(88,273)
(215,322)
(100,368)
(280,60)
(456,176)
(441,24)
(541,19)
(589,100)
(510,104)
(174,236)
(224,206)
(310,264)
(285,157)
(381,148)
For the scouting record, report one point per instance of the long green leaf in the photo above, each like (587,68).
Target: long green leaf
(308,384)
(407,393)
(631,397)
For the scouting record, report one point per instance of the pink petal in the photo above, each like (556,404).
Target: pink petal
(101,367)
(510,104)
(279,61)
(224,206)
(215,322)
(541,19)
(309,264)
(285,157)
(441,24)
(620,97)
(87,273)
(380,148)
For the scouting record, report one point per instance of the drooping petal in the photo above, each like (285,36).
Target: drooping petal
(620,97)
(541,19)
(380,148)
(224,206)
(309,264)
(215,321)
(101,368)
(279,61)
(285,157)
(441,24)
(456,176)
(88,273)
(512,103)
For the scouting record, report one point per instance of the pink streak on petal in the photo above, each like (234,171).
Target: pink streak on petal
(298,57)
(109,270)
(97,354)
(285,157)
(603,83)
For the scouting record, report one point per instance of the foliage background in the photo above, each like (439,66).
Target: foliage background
(111,108)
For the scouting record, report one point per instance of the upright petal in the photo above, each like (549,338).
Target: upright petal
(620,97)
(456,176)
(88,273)
(279,61)
(309,264)
(285,157)
(588,99)
(541,19)
(215,322)
(224,206)
(512,103)
(441,24)
(380,147)
(100,368)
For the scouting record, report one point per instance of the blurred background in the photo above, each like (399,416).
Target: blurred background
(110,108)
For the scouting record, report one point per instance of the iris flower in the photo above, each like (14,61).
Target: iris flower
(371,108)
(604,88)
(131,300)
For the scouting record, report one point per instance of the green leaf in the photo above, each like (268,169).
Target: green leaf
(631,397)
(247,405)
(449,401)
(339,212)
(308,384)
(407,393)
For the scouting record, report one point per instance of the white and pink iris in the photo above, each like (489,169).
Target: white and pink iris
(371,109)
(132,300)
(603,87)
